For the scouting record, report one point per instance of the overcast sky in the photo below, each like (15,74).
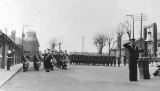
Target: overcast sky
(69,20)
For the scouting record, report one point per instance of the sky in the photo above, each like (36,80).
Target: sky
(69,20)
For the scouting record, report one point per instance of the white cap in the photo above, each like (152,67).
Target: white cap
(9,51)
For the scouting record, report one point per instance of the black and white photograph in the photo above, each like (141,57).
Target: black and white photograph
(79,45)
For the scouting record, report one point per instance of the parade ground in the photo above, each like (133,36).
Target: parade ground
(80,78)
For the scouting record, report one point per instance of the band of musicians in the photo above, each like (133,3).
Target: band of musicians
(51,58)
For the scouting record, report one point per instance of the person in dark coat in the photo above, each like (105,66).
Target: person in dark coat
(133,57)
(36,59)
(25,61)
(44,55)
(124,57)
(51,63)
(9,55)
(48,61)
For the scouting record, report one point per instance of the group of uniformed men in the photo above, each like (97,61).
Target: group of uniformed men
(54,58)
(50,59)
(79,58)
(62,59)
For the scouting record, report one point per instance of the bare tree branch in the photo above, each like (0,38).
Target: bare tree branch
(99,41)
(120,29)
(128,29)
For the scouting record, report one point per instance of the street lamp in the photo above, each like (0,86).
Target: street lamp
(132,16)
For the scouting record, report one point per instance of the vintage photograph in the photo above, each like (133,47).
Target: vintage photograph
(79,45)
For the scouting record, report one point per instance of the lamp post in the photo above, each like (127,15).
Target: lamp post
(132,16)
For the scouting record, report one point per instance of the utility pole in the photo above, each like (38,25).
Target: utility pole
(23,35)
(82,43)
(132,16)
(141,17)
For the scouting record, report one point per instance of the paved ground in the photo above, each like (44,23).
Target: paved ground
(5,74)
(81,78)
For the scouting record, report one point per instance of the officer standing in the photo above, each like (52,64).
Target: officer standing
(48,60)
(133,56)
(10,53)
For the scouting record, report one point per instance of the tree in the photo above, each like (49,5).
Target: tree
(99,41)
(109,39)
(120,30)
(53,43)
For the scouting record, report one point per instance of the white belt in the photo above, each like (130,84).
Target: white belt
(9,57)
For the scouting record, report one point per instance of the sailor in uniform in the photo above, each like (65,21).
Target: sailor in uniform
(133,57)
(37,61)
(48,61)
(25,62)
(10,53)
(44,56)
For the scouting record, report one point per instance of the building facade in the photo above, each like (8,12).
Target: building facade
(31,43)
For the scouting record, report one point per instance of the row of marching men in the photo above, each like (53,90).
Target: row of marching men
(50,59)
(78,58)
(54,58)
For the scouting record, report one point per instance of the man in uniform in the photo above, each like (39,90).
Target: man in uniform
(133,56)
(48,60)
(25,61)
(65,60)
(61,59)
(44,55)
(51,63)
(9,55)
(37,59)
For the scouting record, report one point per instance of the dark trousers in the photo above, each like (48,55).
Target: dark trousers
(124,63)
(133,70)
(35,65)
(51,66)
(8,63)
